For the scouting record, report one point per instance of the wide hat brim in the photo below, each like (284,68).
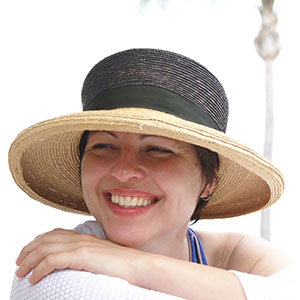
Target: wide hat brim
(44,160)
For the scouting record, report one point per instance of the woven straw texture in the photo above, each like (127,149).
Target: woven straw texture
(44,160)
(159,68)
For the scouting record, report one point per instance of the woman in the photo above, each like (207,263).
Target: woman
(147,155)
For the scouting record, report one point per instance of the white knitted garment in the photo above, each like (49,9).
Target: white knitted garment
(80,285)
(283,285)
(75,285)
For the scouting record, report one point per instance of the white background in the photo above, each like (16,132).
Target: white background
(47,48)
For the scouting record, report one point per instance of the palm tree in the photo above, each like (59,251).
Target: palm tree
(143,3)
(268,46)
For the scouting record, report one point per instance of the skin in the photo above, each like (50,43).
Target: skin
(168,173)
(147,166)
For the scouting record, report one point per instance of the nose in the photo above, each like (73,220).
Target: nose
(128,166)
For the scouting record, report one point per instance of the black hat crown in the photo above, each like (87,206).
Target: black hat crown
(181,76)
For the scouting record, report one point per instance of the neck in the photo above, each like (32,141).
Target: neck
(173,244)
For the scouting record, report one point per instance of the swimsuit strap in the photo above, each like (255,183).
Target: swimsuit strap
(197,252)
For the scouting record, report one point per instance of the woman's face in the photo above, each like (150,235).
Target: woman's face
(140,187)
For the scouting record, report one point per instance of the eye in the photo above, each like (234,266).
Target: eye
(103,146)
(157,149)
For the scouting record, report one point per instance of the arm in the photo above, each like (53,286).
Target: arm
(81,285)
(190,280)
(283,285)
(255,256)
(245,254)
(264,271)
(63,249)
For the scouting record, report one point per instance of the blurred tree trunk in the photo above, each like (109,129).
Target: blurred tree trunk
(143,3)
(268,46)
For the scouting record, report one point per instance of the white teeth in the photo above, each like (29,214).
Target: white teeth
(146,202)
(128,201)
(121,201)
(134,201)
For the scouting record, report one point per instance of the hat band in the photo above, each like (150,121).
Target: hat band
(151,97)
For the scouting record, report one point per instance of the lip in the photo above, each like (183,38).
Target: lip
(132,211)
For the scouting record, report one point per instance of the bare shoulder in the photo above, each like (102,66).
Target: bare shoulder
(235,251)
(218,247)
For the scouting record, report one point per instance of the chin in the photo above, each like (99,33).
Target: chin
(128,242)
(127,238)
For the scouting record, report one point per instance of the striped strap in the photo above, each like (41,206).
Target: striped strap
(197,252)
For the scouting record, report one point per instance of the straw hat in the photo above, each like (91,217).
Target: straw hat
(151,92)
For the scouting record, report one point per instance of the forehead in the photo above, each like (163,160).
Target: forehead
(119,134)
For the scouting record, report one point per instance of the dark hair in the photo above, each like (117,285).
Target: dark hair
(82,145)
(209,162)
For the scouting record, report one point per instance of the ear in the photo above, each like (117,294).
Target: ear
(208,189)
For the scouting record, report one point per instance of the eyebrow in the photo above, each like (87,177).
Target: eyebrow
(110,133)
(142,136)
(103,131)
(147,135)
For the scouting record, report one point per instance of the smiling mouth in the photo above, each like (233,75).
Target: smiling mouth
(129,201)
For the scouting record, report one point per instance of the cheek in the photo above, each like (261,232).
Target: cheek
(92,173)
(93,168)
(192,185)
(86,173)
(180,179)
